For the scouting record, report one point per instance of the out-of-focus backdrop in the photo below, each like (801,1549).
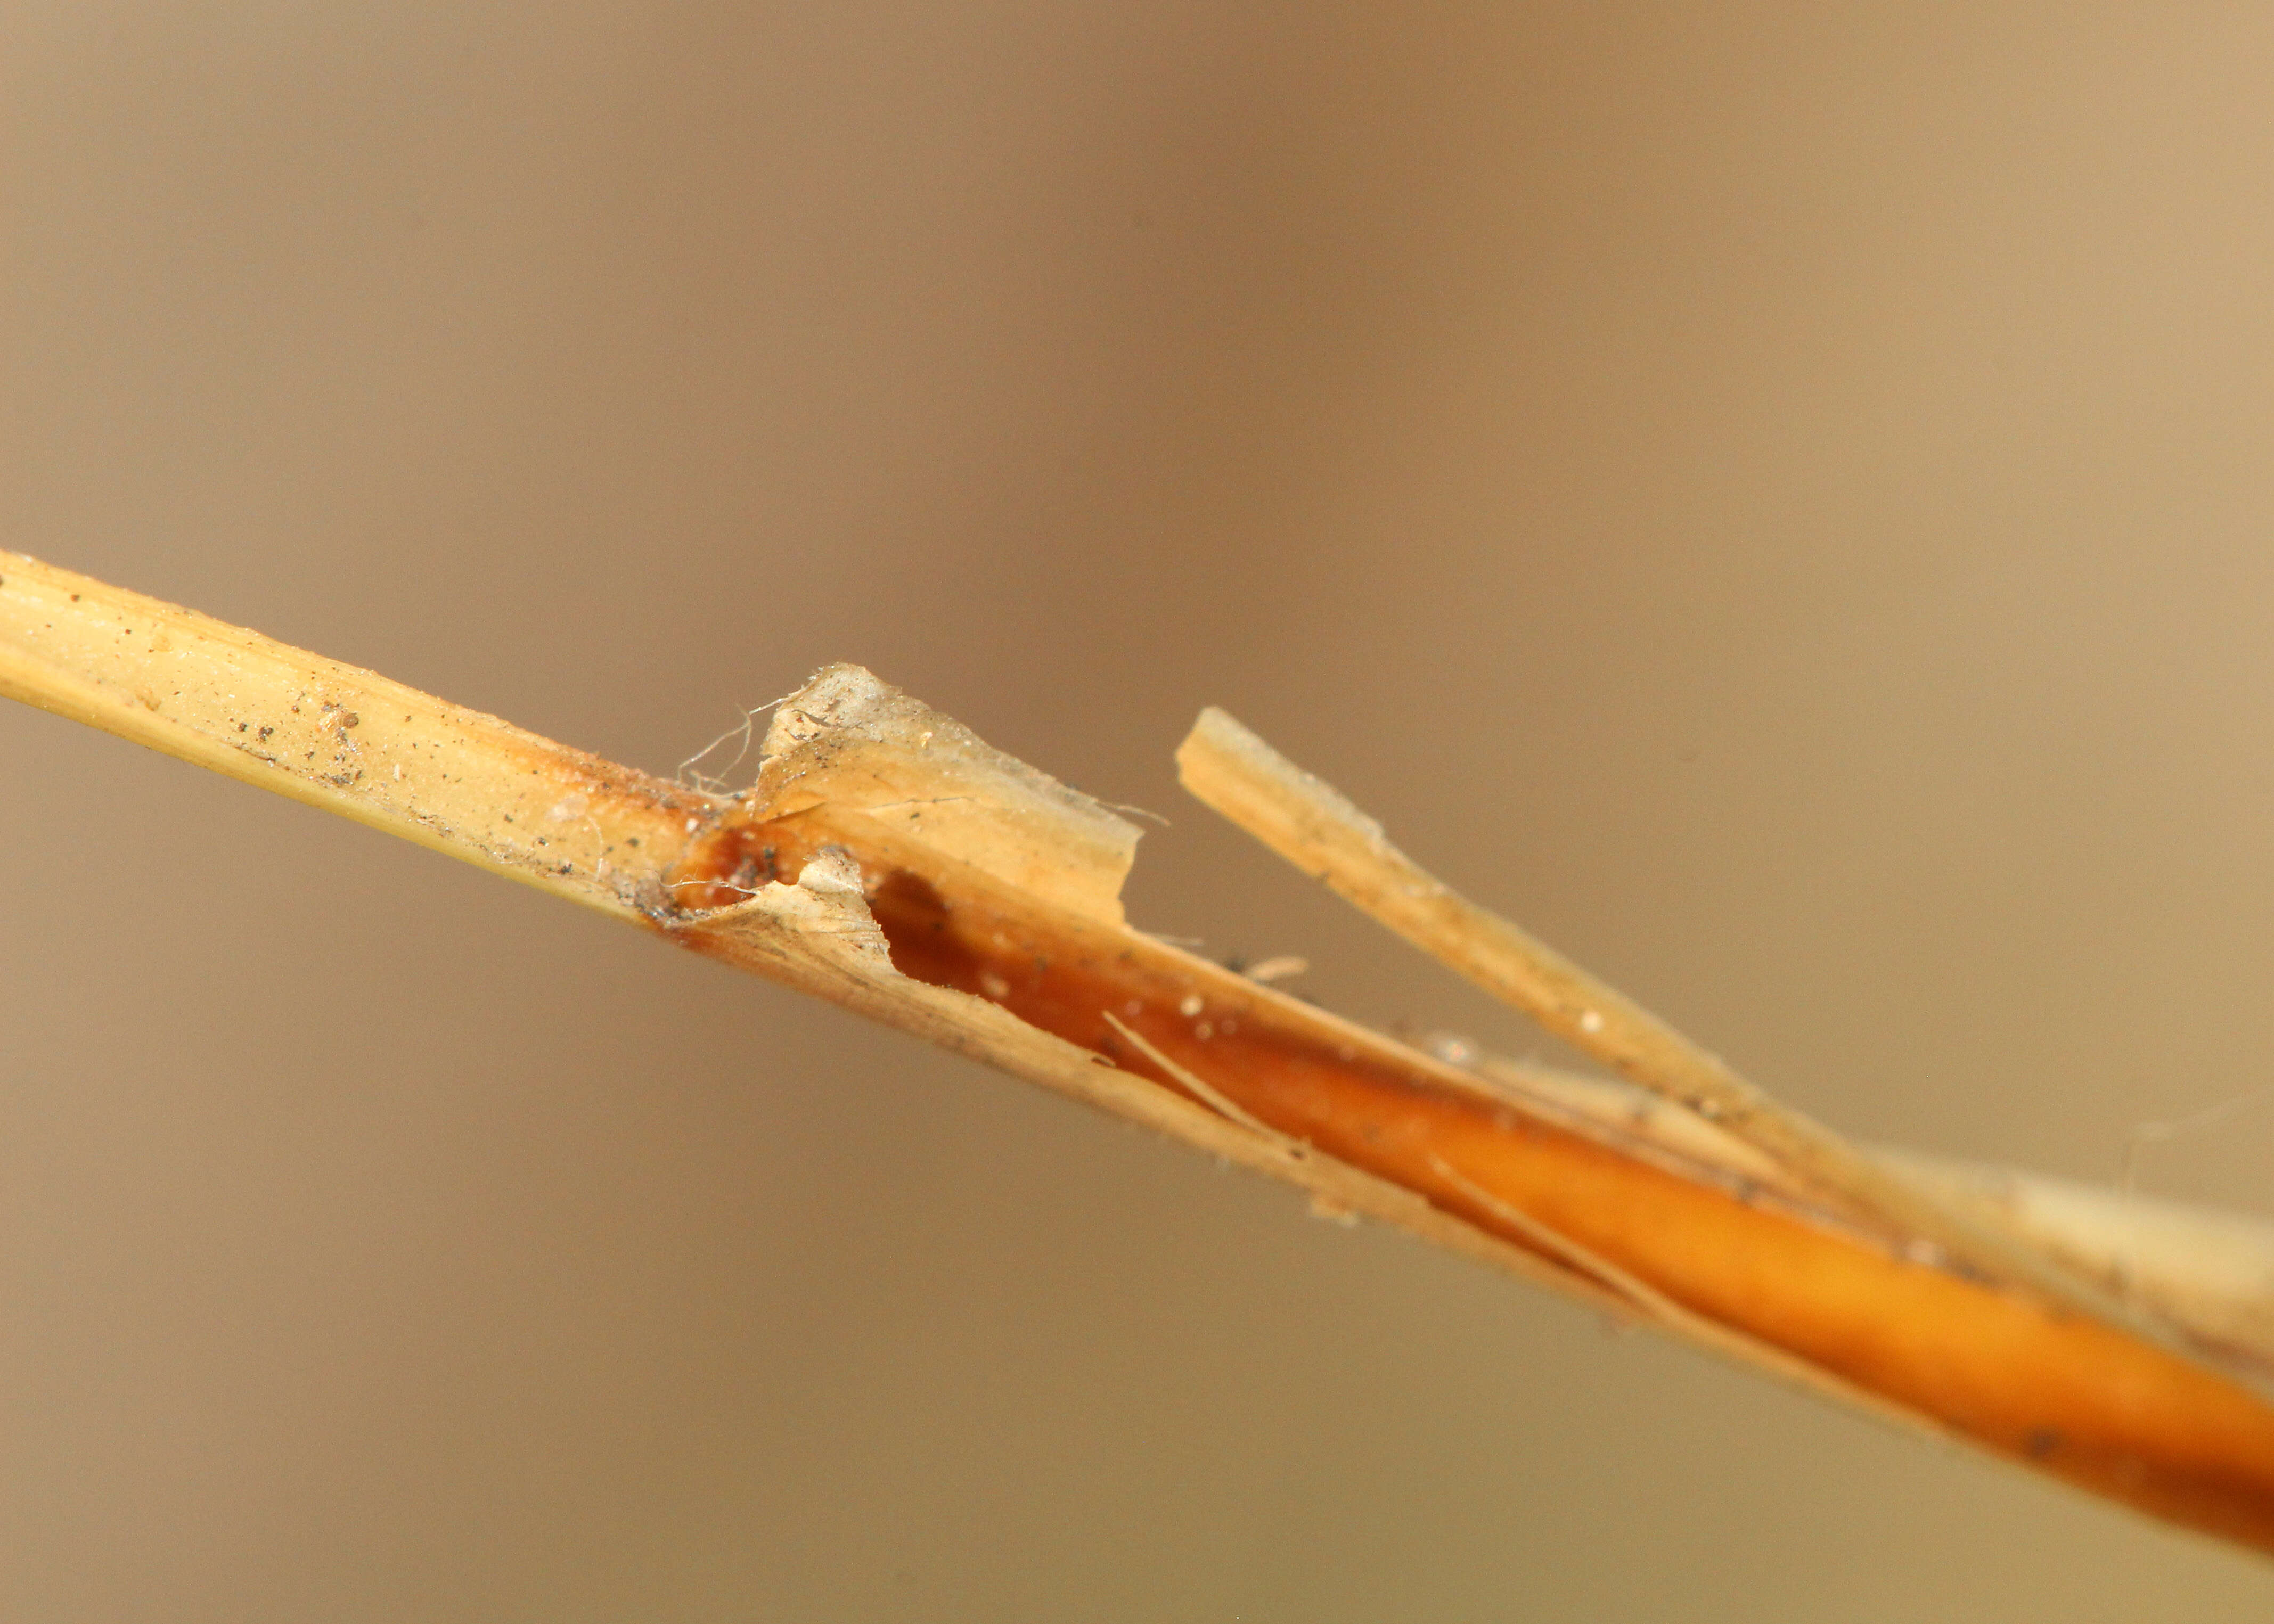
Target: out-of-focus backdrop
(1777,498)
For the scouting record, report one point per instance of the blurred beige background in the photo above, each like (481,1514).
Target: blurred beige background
(1777,498)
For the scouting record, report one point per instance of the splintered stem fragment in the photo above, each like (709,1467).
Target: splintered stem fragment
(891,861)
(1314,827)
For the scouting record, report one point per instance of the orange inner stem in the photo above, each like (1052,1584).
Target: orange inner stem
(2032,1381)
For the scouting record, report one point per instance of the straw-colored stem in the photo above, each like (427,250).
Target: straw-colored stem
(341,738)
(994,939)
